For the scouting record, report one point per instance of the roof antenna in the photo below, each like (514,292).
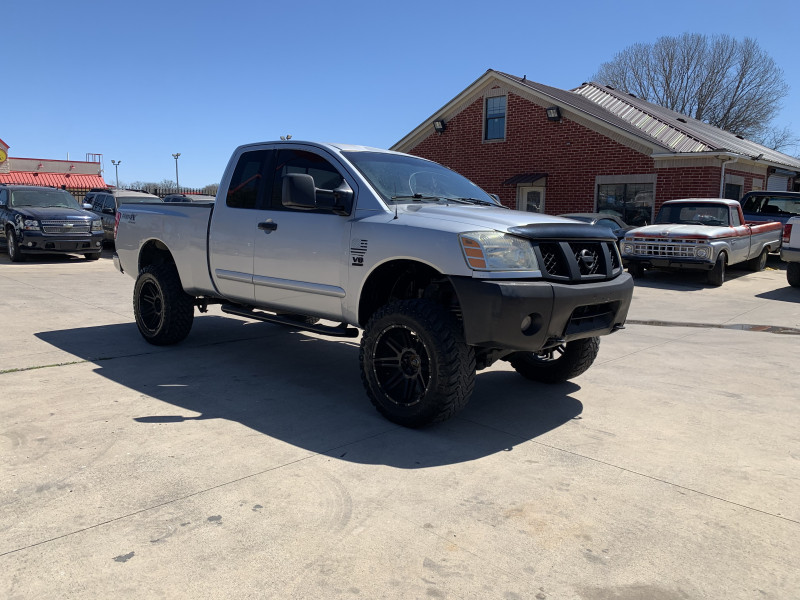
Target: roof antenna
(395,210)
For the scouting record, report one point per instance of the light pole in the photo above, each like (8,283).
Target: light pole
(116,169)
(177,185)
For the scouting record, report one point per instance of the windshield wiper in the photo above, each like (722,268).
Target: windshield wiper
(417,197)
(479,201)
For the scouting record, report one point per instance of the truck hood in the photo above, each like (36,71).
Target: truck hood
(55,212)
(465,217)
(680,231)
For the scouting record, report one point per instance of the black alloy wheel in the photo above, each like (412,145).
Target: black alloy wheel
(163,311)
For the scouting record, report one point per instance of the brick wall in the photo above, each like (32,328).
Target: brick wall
(571,154)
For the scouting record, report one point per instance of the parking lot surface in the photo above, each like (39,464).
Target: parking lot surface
(247,461)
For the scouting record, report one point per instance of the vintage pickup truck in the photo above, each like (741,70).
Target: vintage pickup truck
(442,279)
(700,233)
(790,251)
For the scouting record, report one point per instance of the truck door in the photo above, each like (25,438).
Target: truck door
(234,227)
(300,262)
(740,244)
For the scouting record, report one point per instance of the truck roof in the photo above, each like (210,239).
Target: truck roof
(335,147)
(714,200)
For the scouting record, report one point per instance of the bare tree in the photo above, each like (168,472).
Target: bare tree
(731,84)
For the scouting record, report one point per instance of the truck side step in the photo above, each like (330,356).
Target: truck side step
(341,330)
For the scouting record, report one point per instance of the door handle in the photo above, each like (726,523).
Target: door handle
(268,226)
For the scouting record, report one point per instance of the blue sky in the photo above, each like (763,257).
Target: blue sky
(139,81)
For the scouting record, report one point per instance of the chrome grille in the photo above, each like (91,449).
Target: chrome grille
(663,247)
(61,227)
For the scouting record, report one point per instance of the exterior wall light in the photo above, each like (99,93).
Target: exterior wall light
(553,113)
(439,125)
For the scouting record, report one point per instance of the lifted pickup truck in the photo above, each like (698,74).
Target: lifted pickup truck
(442,279)
(790,251)
(700,233)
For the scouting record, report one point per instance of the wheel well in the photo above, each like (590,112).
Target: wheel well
(404,280)
(156,253)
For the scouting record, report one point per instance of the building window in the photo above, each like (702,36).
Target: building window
(631,201)
(495,125)
(733,191)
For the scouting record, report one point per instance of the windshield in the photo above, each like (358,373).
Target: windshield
(44,198)
(402,178)
(699,213)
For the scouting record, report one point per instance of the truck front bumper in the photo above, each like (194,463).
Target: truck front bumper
(669,263)
(532,315)
(34,242)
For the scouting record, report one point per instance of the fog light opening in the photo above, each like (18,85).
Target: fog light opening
(532,324)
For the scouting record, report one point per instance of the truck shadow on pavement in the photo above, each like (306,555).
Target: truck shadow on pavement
(306,391)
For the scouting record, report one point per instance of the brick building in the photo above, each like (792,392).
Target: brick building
(590,149)
(73,175)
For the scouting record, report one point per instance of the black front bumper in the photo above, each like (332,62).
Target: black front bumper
(36,243)
(531,315)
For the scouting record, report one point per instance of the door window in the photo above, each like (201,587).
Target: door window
(325,175)
(530,199)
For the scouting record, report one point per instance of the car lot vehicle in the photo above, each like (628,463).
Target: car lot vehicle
(442,279)
(615,223)
(106,202)
(46,220)
(790,251)
(762,207)
(189,198)
(700,233)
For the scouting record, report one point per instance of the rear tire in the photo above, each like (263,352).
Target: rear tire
(164,312)
(557,364)
(759,263)
(793,274)
(92,256)
(13,246)
(716,276)
(415,365)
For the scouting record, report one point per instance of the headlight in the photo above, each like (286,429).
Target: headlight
(97,225)
(703,252)
(627,248)
(31,225)
(495,251)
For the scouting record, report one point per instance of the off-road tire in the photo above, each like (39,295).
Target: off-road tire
(92,256)
(163,311)
(12,244)
(793,274)
(716,276)
(558,364)
(415,365)
(759,263)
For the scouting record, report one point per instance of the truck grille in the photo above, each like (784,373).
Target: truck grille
(61,227)
(578,260)
(664,247)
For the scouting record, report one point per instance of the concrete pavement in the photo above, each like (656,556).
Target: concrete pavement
(247,462)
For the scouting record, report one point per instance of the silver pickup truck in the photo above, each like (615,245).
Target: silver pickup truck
(708,234)
(442,279)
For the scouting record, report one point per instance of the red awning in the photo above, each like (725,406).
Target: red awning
(69,180)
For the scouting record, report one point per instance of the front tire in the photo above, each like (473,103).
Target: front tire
(164,312)
(415,365)
(92,256)
(636,270)
(557,364)
(716,276)
(13,246)
(793,274)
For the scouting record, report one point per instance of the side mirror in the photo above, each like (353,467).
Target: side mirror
(299,191)
(87,206)
(496,198)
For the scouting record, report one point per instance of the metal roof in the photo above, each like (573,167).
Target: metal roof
(680,133)
(69,180)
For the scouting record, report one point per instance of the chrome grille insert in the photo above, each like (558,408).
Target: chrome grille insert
(61,227)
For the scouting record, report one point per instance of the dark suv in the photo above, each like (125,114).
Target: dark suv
(46,220)
(105,203)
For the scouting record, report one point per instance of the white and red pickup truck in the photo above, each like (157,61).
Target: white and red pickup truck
(790,252)
(707,234)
